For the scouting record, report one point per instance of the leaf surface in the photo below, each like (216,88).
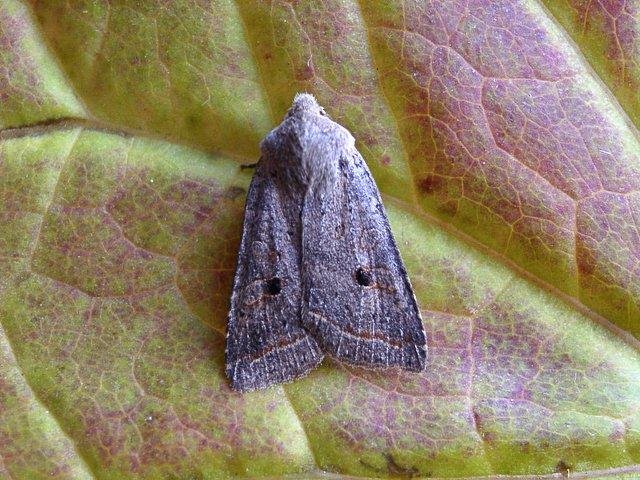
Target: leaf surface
(509,162)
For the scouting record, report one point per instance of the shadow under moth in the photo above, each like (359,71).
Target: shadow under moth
(318,269)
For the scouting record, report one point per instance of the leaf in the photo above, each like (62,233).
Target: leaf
(510,172)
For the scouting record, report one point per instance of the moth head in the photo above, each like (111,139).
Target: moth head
(305,103)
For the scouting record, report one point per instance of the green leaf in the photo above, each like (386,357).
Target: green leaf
(501,135)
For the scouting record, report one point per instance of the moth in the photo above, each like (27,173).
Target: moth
(318,270)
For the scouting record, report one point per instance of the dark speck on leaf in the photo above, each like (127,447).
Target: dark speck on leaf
(563,469)
(430,184)
(234,192)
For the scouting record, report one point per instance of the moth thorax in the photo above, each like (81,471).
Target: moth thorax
(319,167)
